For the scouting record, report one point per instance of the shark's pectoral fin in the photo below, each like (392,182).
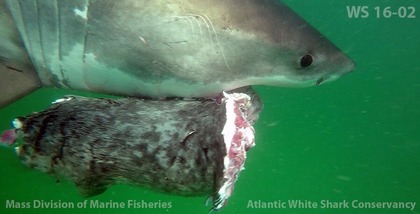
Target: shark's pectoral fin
(15,83)
(17,73)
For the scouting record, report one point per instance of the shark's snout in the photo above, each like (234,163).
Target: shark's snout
(348,67)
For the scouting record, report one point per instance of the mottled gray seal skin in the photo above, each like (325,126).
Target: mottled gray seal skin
(95,141)
(174,146)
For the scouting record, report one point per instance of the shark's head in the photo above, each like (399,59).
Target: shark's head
(307,58)
(286,50)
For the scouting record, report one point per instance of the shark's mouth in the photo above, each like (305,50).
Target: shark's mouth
(178,146)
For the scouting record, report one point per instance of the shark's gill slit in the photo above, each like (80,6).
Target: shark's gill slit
(189,20)
(209,24)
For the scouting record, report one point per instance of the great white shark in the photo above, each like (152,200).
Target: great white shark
(160,48)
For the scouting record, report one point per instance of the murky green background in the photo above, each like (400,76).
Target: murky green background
(354,139)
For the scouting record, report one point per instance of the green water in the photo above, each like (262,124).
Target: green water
(354,139)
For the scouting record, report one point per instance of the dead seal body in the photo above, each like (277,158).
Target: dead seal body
(183,147)
(95,141)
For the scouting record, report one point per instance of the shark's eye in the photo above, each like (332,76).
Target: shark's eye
(306,61)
